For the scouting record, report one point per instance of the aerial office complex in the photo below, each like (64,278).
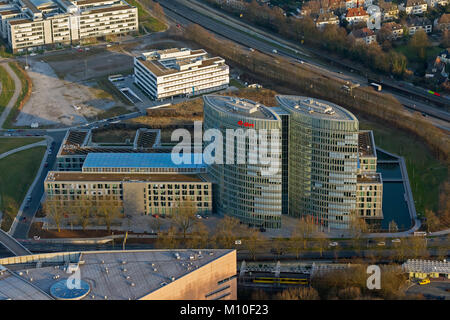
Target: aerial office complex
(318,164)
(121,275)
(242,189)
(39,23)
(174,72)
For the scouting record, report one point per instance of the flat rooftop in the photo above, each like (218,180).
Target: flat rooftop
(315,108)
(240,107)
(366,144)
(369,178)
(141,160)
(110,275)
(174,60)
(76,176)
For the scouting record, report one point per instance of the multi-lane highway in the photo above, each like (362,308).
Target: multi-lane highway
(185,13)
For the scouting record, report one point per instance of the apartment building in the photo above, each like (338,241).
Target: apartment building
(36,24)
(418,23)
(179,72)
(414,6)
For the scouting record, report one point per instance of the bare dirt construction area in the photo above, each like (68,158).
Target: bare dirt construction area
(69,88)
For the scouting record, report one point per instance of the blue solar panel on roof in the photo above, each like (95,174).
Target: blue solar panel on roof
(141,160)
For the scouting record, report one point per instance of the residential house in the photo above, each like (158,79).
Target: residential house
(356,15)
(395,29)
(414,6)
(434,3)
(389,11)
(418,23)
(326,18)
(364,35)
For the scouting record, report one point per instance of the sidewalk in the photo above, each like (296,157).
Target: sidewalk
(17,89)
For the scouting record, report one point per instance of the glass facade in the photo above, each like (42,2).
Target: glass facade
(322,162)
(242,190)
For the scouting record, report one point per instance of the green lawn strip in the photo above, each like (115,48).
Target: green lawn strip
(7,90)
(7,144)
(22,96)
(237,84)
(425,172)
(151,24)
(17,173)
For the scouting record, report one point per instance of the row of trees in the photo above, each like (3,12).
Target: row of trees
(83,213)
(331,38)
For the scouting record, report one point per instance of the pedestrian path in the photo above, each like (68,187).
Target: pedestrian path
(17,89)
(28,146)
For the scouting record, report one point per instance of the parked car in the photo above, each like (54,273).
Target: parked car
(381,243)
(198,216)
(396,240)
(46,164)
(333,244)
(424,281)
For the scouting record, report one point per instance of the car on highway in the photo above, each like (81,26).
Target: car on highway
(46,164)
(24,219)
(424,281)
(274,51)
(333,244)
(396,240)
(381,243)
(109,45)
(29,199)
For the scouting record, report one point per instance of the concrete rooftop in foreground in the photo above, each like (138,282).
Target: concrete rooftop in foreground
(111,275)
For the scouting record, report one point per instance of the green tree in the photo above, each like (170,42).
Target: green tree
(419,43)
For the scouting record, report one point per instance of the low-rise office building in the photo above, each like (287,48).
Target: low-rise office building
(174,72)
(158,189)
(37,24)
(77,144)
(180,274)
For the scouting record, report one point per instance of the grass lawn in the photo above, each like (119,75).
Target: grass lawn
(8,88)
(17,173)
(411,55)
(237,84)
(425,173)
(113,136)
(151,24)
(23,96)
(7,144)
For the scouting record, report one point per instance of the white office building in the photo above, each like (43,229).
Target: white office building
(26,24)
(180,72)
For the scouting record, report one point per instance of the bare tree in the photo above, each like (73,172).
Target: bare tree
(53,211)
(199,237)
(184,216)
(253,242)
(298,293)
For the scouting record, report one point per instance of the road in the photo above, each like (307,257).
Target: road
(12,245)
(179,11)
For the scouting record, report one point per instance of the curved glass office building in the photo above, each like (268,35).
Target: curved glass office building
(248,182)
(322,160)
